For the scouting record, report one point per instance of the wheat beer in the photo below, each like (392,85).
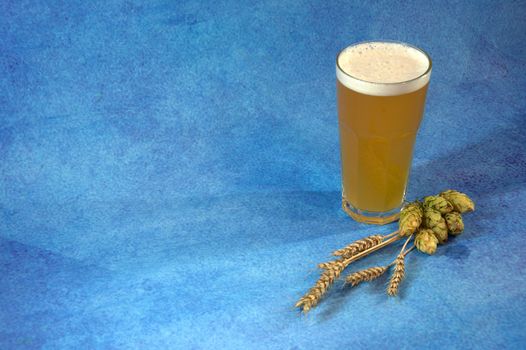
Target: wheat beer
(381,90)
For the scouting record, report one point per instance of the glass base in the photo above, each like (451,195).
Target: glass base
(371,217)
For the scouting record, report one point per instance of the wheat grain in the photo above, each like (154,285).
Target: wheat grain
(329,264)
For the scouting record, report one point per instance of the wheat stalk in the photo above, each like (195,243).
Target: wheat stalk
(367,275)
(359,246)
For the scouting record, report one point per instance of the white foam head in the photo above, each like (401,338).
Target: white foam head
(383,68)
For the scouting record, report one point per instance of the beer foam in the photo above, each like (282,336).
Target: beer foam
(383,68)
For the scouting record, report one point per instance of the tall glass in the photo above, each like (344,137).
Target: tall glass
(381,89)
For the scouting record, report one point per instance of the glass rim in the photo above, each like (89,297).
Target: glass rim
(427,71)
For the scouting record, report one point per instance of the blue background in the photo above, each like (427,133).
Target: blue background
(169,175)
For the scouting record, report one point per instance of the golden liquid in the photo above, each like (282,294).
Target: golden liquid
(377,135)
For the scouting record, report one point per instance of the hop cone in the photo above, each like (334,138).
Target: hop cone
(410,218)
(454,223)
(460,201)
(437,224)
(438,203)
(426,242)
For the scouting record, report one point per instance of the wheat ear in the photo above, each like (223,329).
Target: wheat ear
(360,245)
(399,270)
(366,275)
(332,270)
(327,278)
(397,277)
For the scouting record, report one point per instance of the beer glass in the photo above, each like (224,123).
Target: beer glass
(381,88)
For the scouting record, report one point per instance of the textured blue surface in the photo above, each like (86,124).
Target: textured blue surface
(169,175)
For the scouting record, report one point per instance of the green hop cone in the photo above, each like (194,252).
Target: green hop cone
(426,241)
(436,223)
(454,223)
(410,218)
(460,201)
(438,203)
